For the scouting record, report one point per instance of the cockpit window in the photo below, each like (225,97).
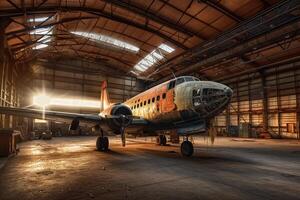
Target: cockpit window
(171,85)
(179,81)
(188,79)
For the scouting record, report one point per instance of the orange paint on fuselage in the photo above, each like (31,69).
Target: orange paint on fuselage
(153,102)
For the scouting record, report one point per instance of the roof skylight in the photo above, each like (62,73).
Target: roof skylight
(166,48)
(41,31)
(40,46)
(45,39)
(155,56)
(38,19)
(108,40)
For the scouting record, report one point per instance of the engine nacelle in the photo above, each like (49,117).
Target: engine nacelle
(114,124)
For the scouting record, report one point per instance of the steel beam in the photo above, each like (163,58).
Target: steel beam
(154,17)
(225,11)
(102,68)
(13,4)
(94,11)
(62,21)
(189,15)
(278,16)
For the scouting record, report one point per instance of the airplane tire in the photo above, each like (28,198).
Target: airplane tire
(105,143)
(99,143)
(102,143)
(162,140)
(187,148)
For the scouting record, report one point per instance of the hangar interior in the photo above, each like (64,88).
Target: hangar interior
(251,46)
(55,55)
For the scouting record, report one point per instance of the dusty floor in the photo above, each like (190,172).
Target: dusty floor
(71,168)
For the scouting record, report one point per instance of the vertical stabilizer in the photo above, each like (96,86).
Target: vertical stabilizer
(104,99)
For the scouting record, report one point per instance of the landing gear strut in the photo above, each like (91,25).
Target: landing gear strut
(102,142)
(187,148)
(162,140)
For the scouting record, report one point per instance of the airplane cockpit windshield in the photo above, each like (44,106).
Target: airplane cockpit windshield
(180,80)
(183,79)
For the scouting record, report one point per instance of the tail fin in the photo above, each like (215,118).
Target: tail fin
(104,99)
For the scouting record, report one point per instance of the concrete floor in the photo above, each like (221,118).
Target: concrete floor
(71,168)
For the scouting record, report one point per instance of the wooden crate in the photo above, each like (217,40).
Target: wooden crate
(8,141)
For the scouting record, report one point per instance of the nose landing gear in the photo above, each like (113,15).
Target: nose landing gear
(187,148)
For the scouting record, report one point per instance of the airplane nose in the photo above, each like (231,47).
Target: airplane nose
(211,99)
(228,92)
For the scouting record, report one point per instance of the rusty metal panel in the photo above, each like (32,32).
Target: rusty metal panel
(257,119)
(244,106)
(272,103)
(257,104)
(233,120)
(288,101)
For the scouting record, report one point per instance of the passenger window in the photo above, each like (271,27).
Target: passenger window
(179,81)
(141,104)
(157,98)
(153,99)
(164,95)
(171,85)
(145,103)
(148,101)
(137,105)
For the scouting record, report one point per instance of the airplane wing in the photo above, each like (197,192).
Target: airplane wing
(74,118)
(64,116)
(139,122)
(50,115)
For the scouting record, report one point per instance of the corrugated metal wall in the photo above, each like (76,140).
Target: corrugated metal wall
(63,83)
(266,101)
(9,94)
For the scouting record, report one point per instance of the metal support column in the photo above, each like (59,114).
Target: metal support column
(238,106)
(278,102)
(4,22)
(227,119)
(250,106)
(265,104)
(297,92)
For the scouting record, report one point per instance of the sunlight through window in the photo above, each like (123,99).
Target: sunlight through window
(152,58)
(44,39)
(44,101)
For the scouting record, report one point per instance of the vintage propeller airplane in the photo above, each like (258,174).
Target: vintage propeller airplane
(184,104)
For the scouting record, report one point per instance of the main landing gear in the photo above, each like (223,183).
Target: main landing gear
(162,140)
(102,143)
(187,148)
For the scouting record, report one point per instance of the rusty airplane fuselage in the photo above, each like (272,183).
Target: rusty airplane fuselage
(184,103)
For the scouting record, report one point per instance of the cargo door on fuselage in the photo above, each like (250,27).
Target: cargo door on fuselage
(168,95)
